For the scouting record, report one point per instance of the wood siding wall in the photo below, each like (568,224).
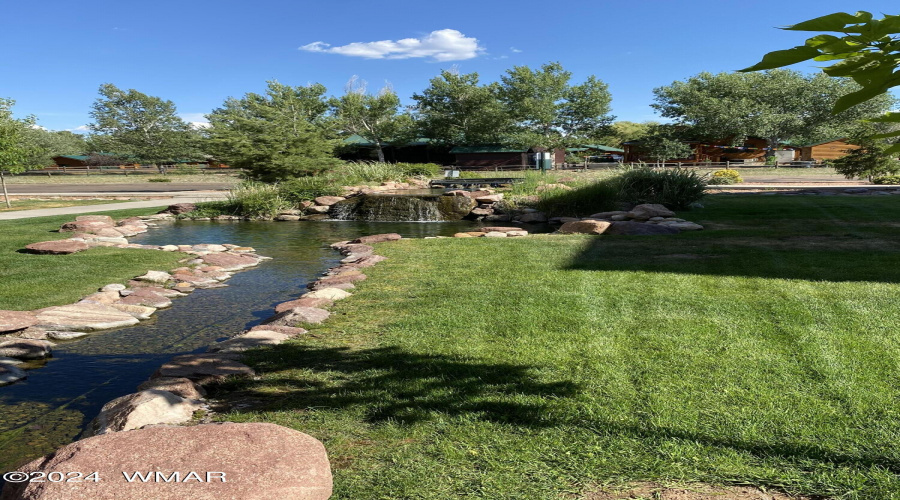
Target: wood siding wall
(828,151)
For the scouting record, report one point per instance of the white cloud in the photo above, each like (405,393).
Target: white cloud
(514,50)
(195,120)
(440,45)
(80,128)
(199,125)
(38,127)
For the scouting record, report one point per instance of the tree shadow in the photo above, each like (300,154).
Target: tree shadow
(391,384)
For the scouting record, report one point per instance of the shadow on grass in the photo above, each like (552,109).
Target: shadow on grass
(390,384)
(834,257)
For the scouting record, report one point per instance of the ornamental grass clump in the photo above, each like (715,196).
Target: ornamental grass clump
(302,189)
(725,176)
(584,199)
(257,200)
(675,188)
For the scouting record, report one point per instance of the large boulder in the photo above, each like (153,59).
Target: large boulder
(203,368)
(252,461)
(25,348)
(328,200)
(148,407)
(85,317)
(455,207)
(179,208)
(11,321)
(630,228)
(585,227)
(178,386)
(377,238)
(648,210)
(57,247)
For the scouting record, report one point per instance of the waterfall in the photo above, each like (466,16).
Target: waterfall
(402,207)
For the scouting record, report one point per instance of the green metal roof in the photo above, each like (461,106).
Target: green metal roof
(486,149)
(600,147)
(358,140)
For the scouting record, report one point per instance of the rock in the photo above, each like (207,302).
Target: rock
(481,212)
(160,277)
(287,217)
(495,234)
(365,261)
(145,299)
(356,249)
(335,280)
(499,229)
(463,235)
(308,302)
(203,368)
(32,332)
(10,361)
(498,218)
(85,317)
(113,287)
(251,340)
(856,191)
(292,317)
(229,261)
(85,226)
(57,247)
(377,238)
(489,198)
(178,386)
(292,211)
(148,407)
(318,209)
(343,286)
(512,234)
(563,220)
(11,321)
(293,331)
(209,247)
(683,226)
(25,349)
(328,293)
(648,210)
(106,298)
(180,208)
(10,374)
(585,227)
(533,217)
(138,311)
(328,200)
(57,335)
(259,462)
(169,248)
(105,219)
(638,229)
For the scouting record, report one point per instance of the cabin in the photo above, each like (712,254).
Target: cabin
(597,153)
(752,150)
(77,162)
(421,150)
(493,156)
(826,150)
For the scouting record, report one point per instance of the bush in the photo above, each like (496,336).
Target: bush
(159,179)
(886,179)
(308,188)
(426,170)
(212,209)
(585,199)
(675,188)
(253,199)
(725,176)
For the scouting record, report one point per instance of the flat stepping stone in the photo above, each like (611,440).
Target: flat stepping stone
(85,317)
(377,238)
(65,335)
(203,368)
(57,247)
(308,302)
(25,349)
(11,321)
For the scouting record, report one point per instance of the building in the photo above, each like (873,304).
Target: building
(420,150)
(596,153)
(752,150)
(493,156)
(826,150)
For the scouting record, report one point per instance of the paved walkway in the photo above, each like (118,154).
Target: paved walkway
(107,189)
(106,207)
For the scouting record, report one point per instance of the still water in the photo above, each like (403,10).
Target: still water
(52,406)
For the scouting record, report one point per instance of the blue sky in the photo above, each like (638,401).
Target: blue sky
(55,54)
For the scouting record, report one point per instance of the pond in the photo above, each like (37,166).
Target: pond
(52,406)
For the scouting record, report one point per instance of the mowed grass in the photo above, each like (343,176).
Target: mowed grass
(29,281)
(762,351)
(37,204)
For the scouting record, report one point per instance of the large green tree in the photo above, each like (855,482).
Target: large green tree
(777,105)
(45,144)
(374,117)
(141,127)
(623,131)
(456,110)
(281,134)
(868,53)
(16,153)
(549,111)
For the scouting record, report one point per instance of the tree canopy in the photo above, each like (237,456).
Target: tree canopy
(374,117)
(868,53)
(281,134)
(456,110)
(777,105)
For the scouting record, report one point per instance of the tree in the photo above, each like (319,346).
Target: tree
(142,127)
(456,110)
(868,53)
(374,117)
(870,160)
(15,153)
(548,111)
(282,134)
(625,131)
(45,144)
(663,142)
(775,105)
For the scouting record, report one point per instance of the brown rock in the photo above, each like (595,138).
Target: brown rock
(179,386)
(10,374)
(356,249)
(336,280)
(293,331)
(287,306)
(259,462)
(607,215)
(499,229)
(251,340)
(179,208)
(95,218)
(11,321)
(229,261)
(203,368)
(85,317)
(365,261)
(58,247)
(148,407)
(489,198)
(291,317)
(25,349)
(85,226)
(322,286)
(318,209)
(631,228)
(585,227)
(377,238)
(482,211)
(463,235)
(648,210)
(532,217)
(328,200)
(146,299)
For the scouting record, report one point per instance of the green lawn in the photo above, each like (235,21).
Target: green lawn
(36,204)
(761,351)
(30,281)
